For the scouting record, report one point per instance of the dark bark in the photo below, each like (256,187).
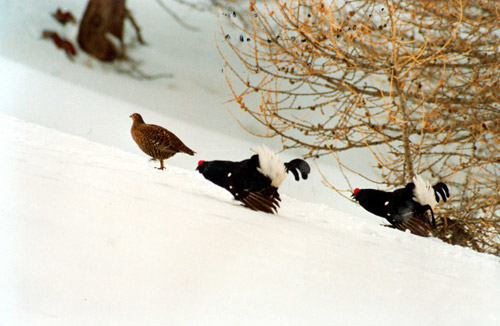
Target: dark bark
(101,19)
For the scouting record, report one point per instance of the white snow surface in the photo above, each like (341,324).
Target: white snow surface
(92,234)
(95,235)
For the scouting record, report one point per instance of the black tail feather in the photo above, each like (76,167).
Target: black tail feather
(442,189)
(298,165)
(416,225)
(257,201)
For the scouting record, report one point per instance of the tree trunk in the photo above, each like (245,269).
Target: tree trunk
(101,19)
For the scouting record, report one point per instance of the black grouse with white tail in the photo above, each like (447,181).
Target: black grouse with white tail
(254,181)
(406,208)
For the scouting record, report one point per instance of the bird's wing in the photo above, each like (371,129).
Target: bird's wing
(166,140)
(266,200)
(417,225)
(156,135)
(172,142)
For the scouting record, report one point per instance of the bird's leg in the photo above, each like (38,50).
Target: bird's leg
(433,219)
(428,207)
(162,167)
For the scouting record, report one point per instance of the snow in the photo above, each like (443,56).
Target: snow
(92,234)
(97,236)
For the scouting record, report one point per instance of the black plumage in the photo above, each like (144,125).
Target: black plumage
(249,182)
(406,208)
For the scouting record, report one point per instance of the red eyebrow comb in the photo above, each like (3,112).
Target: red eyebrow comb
(200,162)
(355,191)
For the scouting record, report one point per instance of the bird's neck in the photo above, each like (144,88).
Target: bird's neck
(138,121)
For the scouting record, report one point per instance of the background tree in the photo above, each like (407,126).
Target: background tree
(416,83)
(102,20)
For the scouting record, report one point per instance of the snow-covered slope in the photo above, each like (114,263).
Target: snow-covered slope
(93,235)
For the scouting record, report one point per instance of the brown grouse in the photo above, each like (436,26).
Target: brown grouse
(156,141)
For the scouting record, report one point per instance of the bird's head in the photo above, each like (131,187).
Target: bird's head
(136,117)
(200,162)
(355,193)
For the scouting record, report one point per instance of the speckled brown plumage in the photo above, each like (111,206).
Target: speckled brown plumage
(156,141)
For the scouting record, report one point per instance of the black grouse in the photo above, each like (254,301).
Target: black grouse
(254,181)
(406,208)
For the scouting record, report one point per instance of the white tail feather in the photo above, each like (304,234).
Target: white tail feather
(271,166)
(423,192)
